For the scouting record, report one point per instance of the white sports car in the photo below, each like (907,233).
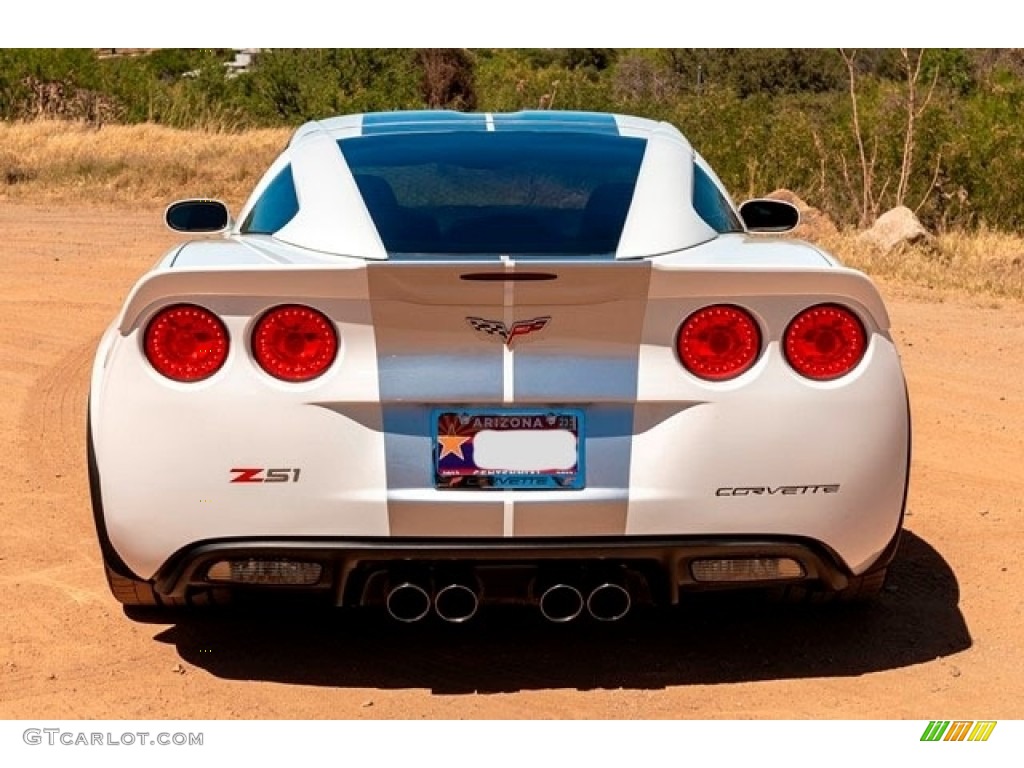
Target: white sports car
(445,359)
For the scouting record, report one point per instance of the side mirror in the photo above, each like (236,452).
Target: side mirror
(763,215)
(197,216)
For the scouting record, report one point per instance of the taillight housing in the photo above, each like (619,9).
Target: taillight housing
(825,342)
(186,343)
(718,342)
(294,343)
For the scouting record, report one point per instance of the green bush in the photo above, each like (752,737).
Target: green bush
(764,118)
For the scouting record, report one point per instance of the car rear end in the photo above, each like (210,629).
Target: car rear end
(509,406)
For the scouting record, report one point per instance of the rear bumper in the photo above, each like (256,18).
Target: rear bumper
(350,567)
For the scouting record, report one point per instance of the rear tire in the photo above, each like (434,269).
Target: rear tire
(861,588)
(137,594)
(134,593)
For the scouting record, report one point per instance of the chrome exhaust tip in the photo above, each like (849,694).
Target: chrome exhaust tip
(609,602)
(408,602)
(561,603)
(456,603)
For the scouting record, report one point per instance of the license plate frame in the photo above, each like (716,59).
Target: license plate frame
(454,430)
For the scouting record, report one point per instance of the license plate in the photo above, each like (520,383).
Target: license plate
(508,449)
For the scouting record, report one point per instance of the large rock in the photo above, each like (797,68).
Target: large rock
(896,227)
(814,224)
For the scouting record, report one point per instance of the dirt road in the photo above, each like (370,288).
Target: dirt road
(944,641)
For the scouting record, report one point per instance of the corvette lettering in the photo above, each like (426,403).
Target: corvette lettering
(522,482)
(783,490)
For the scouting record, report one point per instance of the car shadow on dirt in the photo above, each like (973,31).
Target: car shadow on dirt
(713,639)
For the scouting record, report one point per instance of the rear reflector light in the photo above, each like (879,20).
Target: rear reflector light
(281,572)
(746,569)
(186,343)
(294,343)
(718,342)
(825,342)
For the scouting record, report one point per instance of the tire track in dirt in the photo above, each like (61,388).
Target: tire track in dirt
(53,419)
(51,459)
(66,648)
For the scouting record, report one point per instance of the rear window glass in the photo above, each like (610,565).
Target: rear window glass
(275,208)
(516,192)
(711,205)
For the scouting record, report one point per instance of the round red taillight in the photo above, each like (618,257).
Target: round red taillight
(825,342)
(294,343)
(718,342)
(186,342)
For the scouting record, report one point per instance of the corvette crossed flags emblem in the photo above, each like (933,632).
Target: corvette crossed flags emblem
(495,329)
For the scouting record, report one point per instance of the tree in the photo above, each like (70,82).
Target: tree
(875,185)
(912,70)
(447,80)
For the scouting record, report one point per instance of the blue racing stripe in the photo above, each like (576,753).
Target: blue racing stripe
(423,121)
(571,122)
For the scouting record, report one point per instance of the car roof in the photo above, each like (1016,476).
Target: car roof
(660,220)
(419,121)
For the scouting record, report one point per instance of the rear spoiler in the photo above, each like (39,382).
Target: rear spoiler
(274,282)
(349,281)
(728,283)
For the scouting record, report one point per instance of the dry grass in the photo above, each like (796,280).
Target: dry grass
(975,264)
(59,162)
